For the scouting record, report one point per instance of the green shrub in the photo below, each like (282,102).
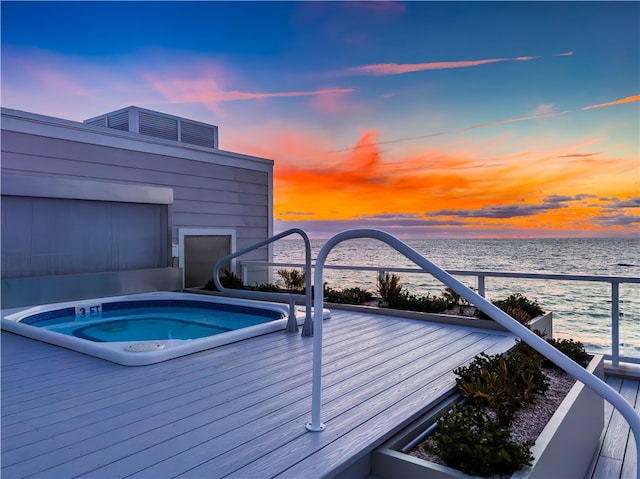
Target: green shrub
(228,280)
(453,298)
(293,279)
(347,296)
(468,440)
(518,307)
(268,287)
(423,304)
(390,289)
(504,382)
(574,349)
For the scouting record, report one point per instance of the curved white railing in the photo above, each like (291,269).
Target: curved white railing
(506,321)
(292,323)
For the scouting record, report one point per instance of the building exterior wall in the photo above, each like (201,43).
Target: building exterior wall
(211,188)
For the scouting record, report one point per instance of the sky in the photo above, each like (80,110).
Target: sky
(424,119)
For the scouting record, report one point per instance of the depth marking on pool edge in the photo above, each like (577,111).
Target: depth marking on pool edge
(88,311)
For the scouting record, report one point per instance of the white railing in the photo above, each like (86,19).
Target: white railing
(292,324)
(613,281)
(506,321)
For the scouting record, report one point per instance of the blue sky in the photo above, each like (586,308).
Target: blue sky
(423,118)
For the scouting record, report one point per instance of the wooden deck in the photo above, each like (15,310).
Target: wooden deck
(618,456)
(234,411)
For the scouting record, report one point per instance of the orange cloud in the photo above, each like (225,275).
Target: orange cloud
(448,185)
(628,99)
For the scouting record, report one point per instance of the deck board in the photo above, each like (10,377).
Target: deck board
(243,405)
(615,441)
(629,465)
(617,456)
(238,410)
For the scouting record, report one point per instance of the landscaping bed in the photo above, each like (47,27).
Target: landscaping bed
(564,447)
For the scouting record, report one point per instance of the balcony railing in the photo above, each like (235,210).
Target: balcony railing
(614,283)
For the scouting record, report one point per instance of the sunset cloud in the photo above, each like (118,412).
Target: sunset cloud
(362,188)
(208,90)
(615,204)
(499,211)
(617,220)
(628,99)
(631,203)
(383,69)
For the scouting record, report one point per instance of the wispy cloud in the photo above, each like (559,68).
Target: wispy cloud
(383,69)
(512,120)
(628,99)
(208,90)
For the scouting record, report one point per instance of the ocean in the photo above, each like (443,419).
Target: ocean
(581,310)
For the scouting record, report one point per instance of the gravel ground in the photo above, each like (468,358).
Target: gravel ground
(529,422)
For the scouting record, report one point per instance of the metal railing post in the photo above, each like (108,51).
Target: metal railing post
(481,288)
(244,272)
(615,324)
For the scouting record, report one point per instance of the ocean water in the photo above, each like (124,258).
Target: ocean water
(582,310)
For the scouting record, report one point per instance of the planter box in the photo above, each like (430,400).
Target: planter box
(564,448)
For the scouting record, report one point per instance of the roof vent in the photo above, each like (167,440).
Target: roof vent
(159,125)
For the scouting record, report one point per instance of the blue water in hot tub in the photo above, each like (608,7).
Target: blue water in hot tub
(151,320)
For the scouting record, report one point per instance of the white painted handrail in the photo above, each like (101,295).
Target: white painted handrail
(506,321)
(292,324)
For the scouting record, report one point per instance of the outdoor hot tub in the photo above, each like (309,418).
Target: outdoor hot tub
(147,328)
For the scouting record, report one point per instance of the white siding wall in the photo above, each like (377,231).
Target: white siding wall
(211,188)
